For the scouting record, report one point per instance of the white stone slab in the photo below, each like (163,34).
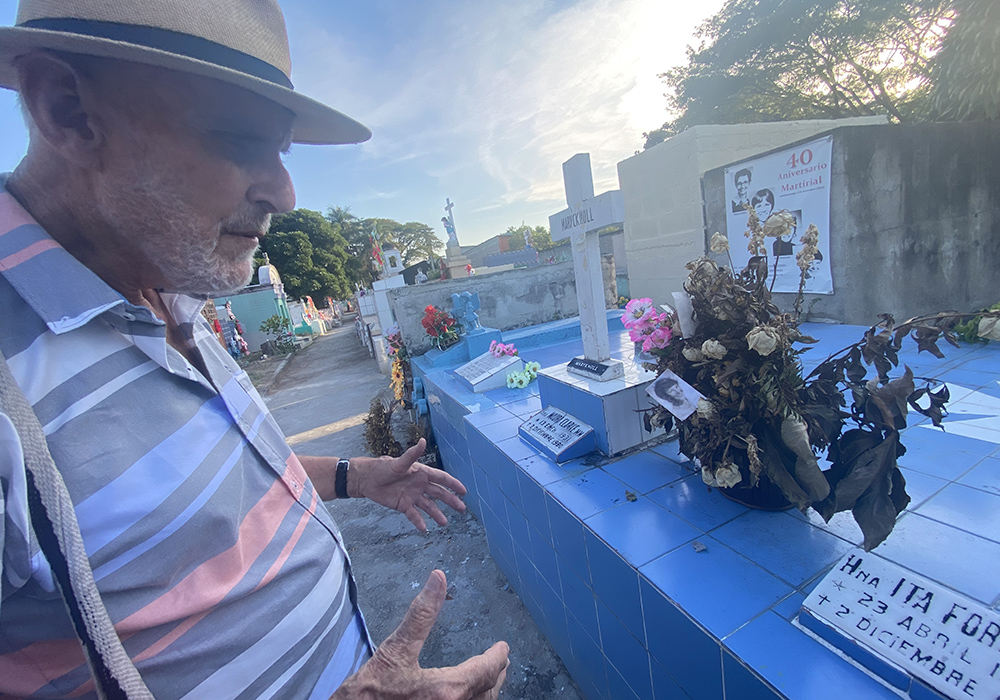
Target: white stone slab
(488,372)
(947,640)
(558,435)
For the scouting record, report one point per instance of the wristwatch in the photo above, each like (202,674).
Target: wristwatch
(340,483)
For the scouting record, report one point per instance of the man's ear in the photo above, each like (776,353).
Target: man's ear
(60,101)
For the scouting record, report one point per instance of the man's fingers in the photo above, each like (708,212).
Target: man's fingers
(427,505)
(442,494)
(439,476)
(485,672)
(413,515)
(412,632)
(407,459)
(494,692)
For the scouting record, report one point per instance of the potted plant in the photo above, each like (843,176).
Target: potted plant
(761,423)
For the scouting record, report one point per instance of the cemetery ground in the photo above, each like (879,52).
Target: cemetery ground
(320,400)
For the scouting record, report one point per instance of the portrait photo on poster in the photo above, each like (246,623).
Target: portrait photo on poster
(674,394)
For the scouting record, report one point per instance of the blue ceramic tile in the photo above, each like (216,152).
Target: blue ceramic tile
(742,683)
(641,530)
(587,662)
(800,667)
(567,538)
(960,443)
(519,530)
(978,362)
(488,417)
(616,584)
(501,430)
(921,486)
(625,653)
(589,494)
(556,394)
(919,691)
(528,585)
(618,687)
(985,476)
(688,655)
(966,508)
(692,500)
(968,377)
(517,449)
(544,558)
(555,616)
(646,471)
(936,453)
(664,687)
(672,451)
(943,553)
(505,477)
(533,498)
(545,471)
(579,599)
(876,664)
(703,583)
(484,452)
(525,408)
(504,396)
(842,524)
(788,547)
(589,409)
(789,607)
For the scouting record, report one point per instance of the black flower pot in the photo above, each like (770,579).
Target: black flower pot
(764,496)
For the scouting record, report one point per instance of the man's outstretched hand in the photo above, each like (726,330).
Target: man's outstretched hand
(394,672)
(404,484)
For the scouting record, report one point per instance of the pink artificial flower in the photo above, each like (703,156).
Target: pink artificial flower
(637,311)
(659,338)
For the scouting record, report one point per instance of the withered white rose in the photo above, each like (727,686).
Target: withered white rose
(713,349)
(989,328)
(779,224)
(728,475)
(707,476)
(692,354)
(706,409)
(763,339)
(719,243)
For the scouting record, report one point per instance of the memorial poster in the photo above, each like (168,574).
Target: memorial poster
(796,179)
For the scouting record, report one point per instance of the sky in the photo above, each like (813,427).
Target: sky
(477,101)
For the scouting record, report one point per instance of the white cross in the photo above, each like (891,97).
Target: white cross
(585,216)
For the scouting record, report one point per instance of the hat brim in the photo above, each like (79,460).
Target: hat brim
(315,123)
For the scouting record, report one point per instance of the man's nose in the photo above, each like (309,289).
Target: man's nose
(273,191)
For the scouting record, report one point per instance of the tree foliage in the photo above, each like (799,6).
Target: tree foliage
(538,236)
(310,255)
(774,60)
(966,73)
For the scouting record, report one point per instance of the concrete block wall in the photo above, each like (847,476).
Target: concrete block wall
(664,221)
(510,299)
(914,221)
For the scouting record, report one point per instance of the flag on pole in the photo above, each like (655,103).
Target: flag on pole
(376,247)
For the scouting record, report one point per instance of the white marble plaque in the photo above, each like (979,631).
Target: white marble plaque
(555,433)
(945,639)
(488,372)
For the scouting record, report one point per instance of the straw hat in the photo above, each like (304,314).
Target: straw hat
(242,42)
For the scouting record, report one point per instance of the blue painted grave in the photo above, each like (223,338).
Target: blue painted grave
(637,610)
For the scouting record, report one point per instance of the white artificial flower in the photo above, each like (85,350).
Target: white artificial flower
(989,328)
(728,475)
(719,244)
(706,409)
(713,349)
(692,354)
(763,339)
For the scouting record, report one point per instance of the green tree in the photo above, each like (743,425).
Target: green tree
(538,236)
(360,266)
(774,60)
(966,72)
(309,254)
(416,242)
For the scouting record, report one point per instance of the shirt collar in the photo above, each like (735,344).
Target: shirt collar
(62,291)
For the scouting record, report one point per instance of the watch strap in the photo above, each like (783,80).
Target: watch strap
(340,482)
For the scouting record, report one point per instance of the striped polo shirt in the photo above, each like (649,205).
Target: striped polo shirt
(224,574)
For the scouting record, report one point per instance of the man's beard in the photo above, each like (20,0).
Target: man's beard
(166,232)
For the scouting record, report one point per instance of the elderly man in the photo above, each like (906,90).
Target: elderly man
(154,165)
